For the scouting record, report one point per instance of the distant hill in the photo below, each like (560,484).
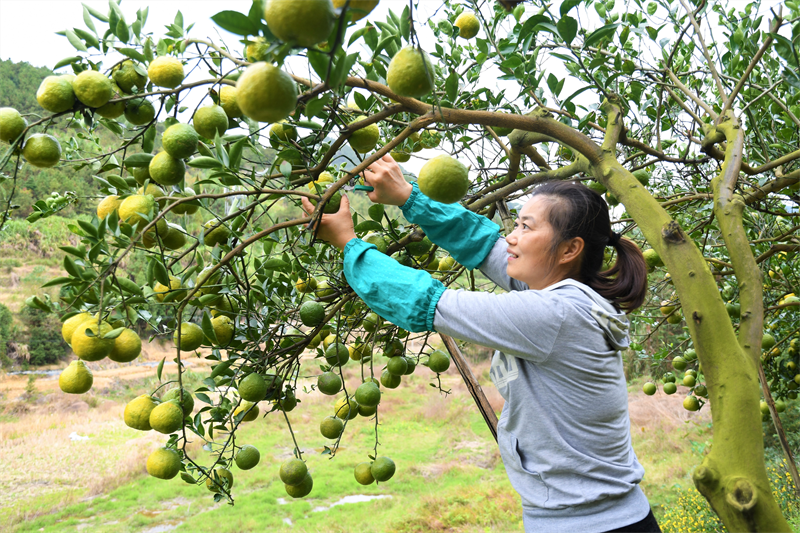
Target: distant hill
(18,85)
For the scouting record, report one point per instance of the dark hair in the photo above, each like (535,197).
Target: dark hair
(578,211)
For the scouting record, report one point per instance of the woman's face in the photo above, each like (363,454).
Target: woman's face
(530,257)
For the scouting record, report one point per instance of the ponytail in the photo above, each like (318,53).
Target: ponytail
(578,211)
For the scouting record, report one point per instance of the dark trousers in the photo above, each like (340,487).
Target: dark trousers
(647,525)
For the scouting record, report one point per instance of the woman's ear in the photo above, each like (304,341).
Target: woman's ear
(570,250)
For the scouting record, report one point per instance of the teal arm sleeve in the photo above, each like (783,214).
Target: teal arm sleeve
(467,236)
(401,295)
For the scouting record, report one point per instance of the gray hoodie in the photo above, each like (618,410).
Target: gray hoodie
(564,433)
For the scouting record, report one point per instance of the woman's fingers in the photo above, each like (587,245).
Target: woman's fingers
(308,207)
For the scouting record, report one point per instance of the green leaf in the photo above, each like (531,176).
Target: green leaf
(451,86)
(785,49)
(160,273)
(90,38)
(568,5)
(71,268)
(57,281)
(89,229)
(599,34)
(138,160)
(114,333)
(132,53)
(208,331)
(118,183)
(130,286)
(315,107)
(319,62)
(205,162)
(368,225)
(80,253)
(567,29)
(67,61)
(122,31)
(160,368)
(405,23)
(96,14)
(375,212)
(75,41)
(222,367)
(652,7)
(343,66)
(236,153)
(235,22)
(149,139)
(286,169)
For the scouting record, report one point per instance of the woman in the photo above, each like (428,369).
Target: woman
(564,433)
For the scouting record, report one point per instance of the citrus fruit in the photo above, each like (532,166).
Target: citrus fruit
(250,409)
(253,388)
(167,170)
(175,237)
(444,179)
(167,417)
(257,50)
(429,139)
(112,109)
(312,313)
(303,23)
(302,489)
(139,112)
(363,473)
(368,394)
(675,318)
(140,174)
(689,381)
(329,383)
(397,365)
(42,150)
(11,124)
(332,205)
(419,248)
(164,463)
(359,351)
(670,388)
(411,365)
(175,394)
(734,310)
(324,289)
(126,77)
(331,427)
(439,361)
(666,308)
(179,141)
(127,347)
(690,355)
(137,412)
(210,120)
(191,337)
(346,408)
(135,208)
(678,363)
(596,186)
(400,156)
(293,472)
(221,478)
(248,457)
(669,377)
(185,208)
(92,348)
(223,329)
(306,285)
(382,469)
(218,235)
(227,101)
(266,93)
(337,354)
(780,406)
(410,73)
(69,325)
(364,139)
(357,9)
(323,179)
(166,72)
(767,341)
(378,240)
(367,411)
(209,283)
(161,290)
(55,94)
(643,176)
(649,388)
(288,401)
(701,390)
(468,25)
(76,378)
(393,347)
(371,322)
(652,258)
(108,205)
(690,403)
(92,88)
(283,131)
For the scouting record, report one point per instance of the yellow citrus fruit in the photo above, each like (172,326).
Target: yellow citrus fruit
(439,361)
(410,73)
(383,469)
(357,9)
(320,184)
(253,388)
(283,131)
(166,72)
(293,472)
(161,290)
(218,235)
(164,463)
(108,205)
(306,285)
(368,394)
(175,237)
(11,124)
(92,348)
(257,50)
(126,77)
(153,190)
(363,473)
(249,408)
(331,427)
(444,179)
(92,88)
(55,94)
(223,329)
(185,208)
(76,378)
(691,403)
(191,337)
(137,412)
(70,324)
(222,477)
(139,112)
(167,417)
(175,394)
(363,140)
(127,347)
(42,150)
(247,457)
(166,169)
(304,23)
(302,489)
(399,156)
(346,408)
(468,25)
(210,120)
(266,93)
(227,101)
(180,141)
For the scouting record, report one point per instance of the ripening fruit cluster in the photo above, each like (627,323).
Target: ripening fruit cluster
(691,379)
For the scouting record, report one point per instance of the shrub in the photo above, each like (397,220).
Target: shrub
(45,344)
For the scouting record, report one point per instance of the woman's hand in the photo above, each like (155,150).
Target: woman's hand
(391,188)
(335,228)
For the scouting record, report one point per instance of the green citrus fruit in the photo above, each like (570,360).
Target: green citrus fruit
(780,406)
(69,325)
(652,258)
(210,120)
(266,93)
(92,348)
(400,156)
(228,101)
(324,289)
(357,9)
(175,237)
(468,25)
(444,179)
(368,394)
(346,408)
(11,124)
(359,351)
(363,473)
(283,131)
(167,417)
(175,394)
(337,354)
(329,383)
(689,380)
(643,176)
(140,174)
(767,341)
(397,365)
(253,388)
(55,94)
(166,169)
(596,186)
(383,469)
(690,403)
(180,141)
(166,72)
(363,140)
(127,347)
(378,240)
(410,73)
(223,329)
(191,337)
(218,235)
(389,380)
(257,50)
(42,150)
(137,412)
(250,409)
(185,208)
(76,378)
(301,490)
(411,365)
(288,401)
(678,363)
(222,478)
(92,88)
(670,388)
(139,112)
(126,77)
(303,23)
(312,313)
(649,388)
(331,427)
(419,248)
(332,206)
(675,318)
(393,347)
(690,355)
(112,109)
(164,463)
(439,361)
(248,457)
(293,472)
